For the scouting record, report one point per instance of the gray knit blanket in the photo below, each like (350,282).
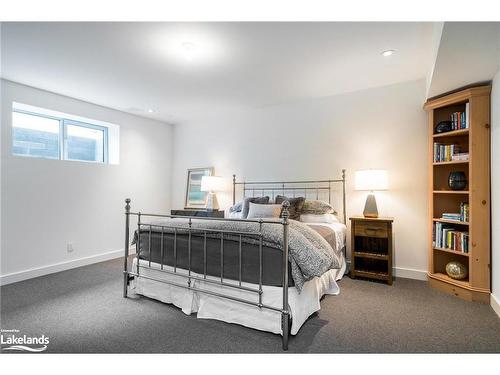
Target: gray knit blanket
(310,254)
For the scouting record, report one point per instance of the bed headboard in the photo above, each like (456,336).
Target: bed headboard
(310,189)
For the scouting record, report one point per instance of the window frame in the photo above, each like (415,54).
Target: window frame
(63,123)
(66,122)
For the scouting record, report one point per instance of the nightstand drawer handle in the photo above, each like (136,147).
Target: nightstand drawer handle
(372,229)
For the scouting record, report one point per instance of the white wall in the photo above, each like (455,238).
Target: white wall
(48,203)
(377,128)
(495,190)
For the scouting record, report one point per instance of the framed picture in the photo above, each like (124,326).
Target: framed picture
(195,198)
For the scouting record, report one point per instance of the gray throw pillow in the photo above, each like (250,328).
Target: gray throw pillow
(296,205)
(246,204)
(264,211)
(316,207)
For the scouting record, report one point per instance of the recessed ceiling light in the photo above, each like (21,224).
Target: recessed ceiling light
(189,46)
(388,52)
(150,110)
(188,50)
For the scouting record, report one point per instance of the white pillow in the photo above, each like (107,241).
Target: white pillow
(261,211)
(323,218)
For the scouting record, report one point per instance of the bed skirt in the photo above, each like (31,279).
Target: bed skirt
(302,304)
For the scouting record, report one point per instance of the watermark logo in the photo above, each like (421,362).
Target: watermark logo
(12,340)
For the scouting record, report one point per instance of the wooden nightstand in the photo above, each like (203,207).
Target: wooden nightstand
(371,248)
(198,213)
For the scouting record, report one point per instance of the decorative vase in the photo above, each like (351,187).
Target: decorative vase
(443,127)
(457,180)
(456,270)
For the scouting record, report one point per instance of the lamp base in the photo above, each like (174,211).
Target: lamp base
(370,207)
(212,203)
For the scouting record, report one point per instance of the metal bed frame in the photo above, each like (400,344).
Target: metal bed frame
(323,186)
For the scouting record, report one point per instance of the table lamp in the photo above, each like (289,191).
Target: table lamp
(211,184)
(371,180)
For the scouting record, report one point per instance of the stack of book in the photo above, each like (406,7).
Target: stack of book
(449,216)
(444,152)
(460,120)
(446,237)
(461,156)
(462,216)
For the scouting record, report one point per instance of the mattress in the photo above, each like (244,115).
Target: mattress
(271,258)
(250,266)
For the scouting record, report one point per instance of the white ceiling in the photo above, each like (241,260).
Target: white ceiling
(468,53)
(136,66)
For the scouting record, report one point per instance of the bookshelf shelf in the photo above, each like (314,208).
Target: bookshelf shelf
(464,192)
(451,251)
(452,133)
(474,140)
(444,277)
(372,274)
(370,255)
(457,222)
(451,162)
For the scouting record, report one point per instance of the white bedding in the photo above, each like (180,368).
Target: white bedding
(302,304)
(340,232)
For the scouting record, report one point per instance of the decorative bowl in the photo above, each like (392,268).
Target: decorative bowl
(457,180)
(456,270)
(443,127)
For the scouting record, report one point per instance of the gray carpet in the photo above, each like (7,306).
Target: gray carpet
(82,311)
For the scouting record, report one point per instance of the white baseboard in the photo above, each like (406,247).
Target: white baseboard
(495,304)
(63,266)
(407,273)
(410,273)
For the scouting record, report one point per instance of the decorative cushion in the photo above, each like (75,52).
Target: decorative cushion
(316,207)
(296,205)
(236,208)
(261,211)
(248,200)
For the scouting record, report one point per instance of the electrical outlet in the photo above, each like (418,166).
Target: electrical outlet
(69,247)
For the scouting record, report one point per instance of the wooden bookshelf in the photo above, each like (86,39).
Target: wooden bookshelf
(476,141)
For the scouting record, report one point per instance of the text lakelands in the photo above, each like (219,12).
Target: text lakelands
(23,340)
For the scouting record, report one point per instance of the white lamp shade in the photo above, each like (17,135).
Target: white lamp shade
(371,179)
(212,183)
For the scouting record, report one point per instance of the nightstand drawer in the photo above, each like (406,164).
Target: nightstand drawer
(371,229)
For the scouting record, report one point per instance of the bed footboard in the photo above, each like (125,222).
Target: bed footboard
(190,277)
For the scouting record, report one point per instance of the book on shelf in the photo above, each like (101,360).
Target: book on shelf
(463,215)
(447,237)
(464,211)
(460,120)
(450,216)
(452,152)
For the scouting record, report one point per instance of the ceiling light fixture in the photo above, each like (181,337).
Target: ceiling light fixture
(150,110)
(388,52)
(188,50)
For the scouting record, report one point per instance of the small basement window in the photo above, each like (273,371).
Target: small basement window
(43,133)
